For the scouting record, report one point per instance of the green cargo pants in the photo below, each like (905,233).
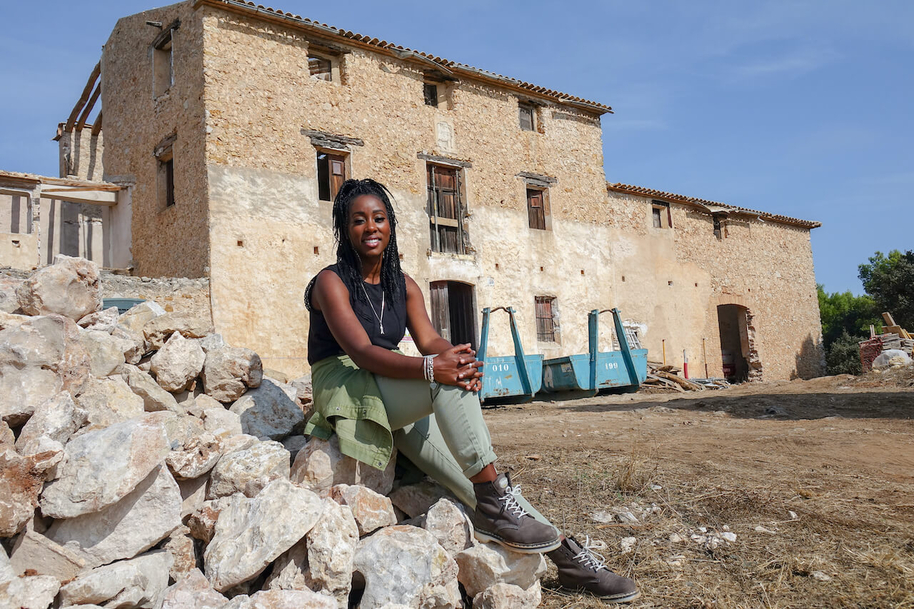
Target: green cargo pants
(443,433)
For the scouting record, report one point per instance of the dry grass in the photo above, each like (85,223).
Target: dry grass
(865,551)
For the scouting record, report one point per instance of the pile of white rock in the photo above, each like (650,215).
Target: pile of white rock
(144,463)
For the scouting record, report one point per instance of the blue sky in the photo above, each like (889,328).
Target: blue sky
(792,107)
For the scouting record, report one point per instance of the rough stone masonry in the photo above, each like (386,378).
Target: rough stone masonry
(145,463)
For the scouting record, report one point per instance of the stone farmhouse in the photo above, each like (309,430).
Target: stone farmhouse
(228,128)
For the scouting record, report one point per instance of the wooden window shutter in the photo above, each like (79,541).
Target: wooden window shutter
(337,175)
(536,211)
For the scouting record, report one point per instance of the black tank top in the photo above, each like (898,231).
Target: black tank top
(321,343)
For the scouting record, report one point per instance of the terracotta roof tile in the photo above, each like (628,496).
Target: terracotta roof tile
(669,196)
(467,70)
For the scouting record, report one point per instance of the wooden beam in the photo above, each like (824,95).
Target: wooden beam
(888,319)
(97,127)
(88,109)
(71,121)
(103,186)
(108,199)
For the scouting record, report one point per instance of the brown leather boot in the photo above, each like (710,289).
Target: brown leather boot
(582,569)
(501,519)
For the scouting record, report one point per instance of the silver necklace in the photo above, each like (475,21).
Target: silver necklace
(381,316)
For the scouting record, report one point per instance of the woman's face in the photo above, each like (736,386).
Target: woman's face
(369,226)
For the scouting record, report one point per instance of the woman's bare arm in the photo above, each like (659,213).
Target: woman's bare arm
(331,297)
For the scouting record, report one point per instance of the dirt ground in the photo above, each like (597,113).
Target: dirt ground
(814,478)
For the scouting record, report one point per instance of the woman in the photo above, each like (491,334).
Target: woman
(374,397)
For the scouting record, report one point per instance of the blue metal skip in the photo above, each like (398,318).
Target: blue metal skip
(623,370)
(508,378)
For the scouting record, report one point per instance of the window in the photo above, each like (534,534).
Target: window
(717,230)
(660,215)
(430,91)
(320,67)
(537,209)
(165,175)
(445,210)
(163,63)
(331,173)
(525,113)
(546,326)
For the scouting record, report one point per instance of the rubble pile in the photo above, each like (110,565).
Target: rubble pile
(145,463)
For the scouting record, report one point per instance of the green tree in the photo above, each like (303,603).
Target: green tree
(889,280)
(846,320)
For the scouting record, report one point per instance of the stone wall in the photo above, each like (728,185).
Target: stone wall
(81,154)
(178,295)
(673,279)
(167,241)
(270,233)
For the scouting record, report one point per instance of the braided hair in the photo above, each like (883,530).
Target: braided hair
(349,265)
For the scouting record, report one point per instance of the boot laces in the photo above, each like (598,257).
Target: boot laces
(510,501)
(589,558)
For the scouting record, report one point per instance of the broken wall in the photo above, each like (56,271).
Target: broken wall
(166,240)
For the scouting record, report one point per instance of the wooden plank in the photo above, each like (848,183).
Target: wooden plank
(88,109)
(71,121)
(108,199)
(888,319)
(97,127)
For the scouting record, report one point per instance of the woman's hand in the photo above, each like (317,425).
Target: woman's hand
(458,366)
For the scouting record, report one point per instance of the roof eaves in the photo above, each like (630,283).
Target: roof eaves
(246,7)
(672,197)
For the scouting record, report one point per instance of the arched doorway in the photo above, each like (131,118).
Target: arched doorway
(454,311)
(733,324)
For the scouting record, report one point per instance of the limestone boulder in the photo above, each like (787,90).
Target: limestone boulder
(9,302)
(197,456)
(39,357)
(7,437)
(33,592)
(180,545)
(161,328)
(221,422)
(104,320)
(193,494)
(230,371)
(192,591)
(136,317)
(449,524)
(56,419)
(202,522)
(507,596)
(416,499)
(404,565)
(252,533)
(21,479)
(282,599)
(321,464)
(323,560)
(140,520)
(154,398)
(370,509)
(104,466)
(487,564)
(42,556)
(69,287)
(177,363)
(106,401)
(211,341)
(133,355)
(249,470)
(6,569)
(181,429)
(106,351)
(127,583)
(268,412)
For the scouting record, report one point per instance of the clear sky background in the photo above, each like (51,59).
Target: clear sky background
(801,108)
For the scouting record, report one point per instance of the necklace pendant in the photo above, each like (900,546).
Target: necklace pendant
(382,328)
